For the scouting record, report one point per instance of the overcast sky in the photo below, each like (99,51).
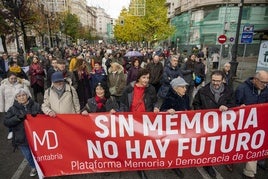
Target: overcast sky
(112,7)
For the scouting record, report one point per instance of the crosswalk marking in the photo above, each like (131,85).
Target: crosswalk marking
(20,169)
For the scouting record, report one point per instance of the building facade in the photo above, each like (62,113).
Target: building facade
(200,22)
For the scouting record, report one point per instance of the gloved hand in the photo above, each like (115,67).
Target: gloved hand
(22,117)
(34,114)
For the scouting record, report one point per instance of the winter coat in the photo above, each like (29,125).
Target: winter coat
(118,80)
(3,70)
(187,71)
(156,71)
(149,98)
(110,104)
(176,102)
(83,86)
(97,77)
(7,92)
(50,71)
(68,103)
(204,99)
(12,120)
(37,74)
(246,93)
(169,74)
(132,74)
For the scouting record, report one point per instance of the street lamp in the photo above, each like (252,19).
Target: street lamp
(234,62)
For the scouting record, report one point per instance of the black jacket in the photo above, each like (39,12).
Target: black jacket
(13,121)
(176,102)
(149,98)
(204,99)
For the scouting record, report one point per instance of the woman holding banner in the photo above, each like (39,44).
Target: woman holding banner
(14,118)
(101,101)
(176,100)
(139,96)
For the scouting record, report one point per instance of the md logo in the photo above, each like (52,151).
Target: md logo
(49,139)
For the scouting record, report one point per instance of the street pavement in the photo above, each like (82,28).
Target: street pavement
(13,165)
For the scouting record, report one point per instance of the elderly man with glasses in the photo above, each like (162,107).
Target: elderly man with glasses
(253,91)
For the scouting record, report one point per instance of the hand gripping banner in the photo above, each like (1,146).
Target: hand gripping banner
(102,142)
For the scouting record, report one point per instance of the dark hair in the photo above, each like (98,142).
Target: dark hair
(107,93)
(217,72)
(10,73)
(134,60)
(60,61)
(141,72)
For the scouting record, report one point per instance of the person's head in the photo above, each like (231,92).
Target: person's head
(115,66)
(5,56)
(227,67)
(179,85)
(61,64)
(54,63)
(97,65)
(13,63)
(80,63)
(135,62)
(57,79)
(35,59)
(101,90)
(217,79)
(143,77)
(174,61)
(156,59)
(260,79)
(12,77)
(22,95)
(193,57)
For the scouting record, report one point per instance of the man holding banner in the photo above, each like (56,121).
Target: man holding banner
(253,91)
(215,95)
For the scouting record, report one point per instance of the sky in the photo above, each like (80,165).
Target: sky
(112,7)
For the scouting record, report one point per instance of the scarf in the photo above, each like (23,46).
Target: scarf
(100,103)
(15,69)
(216,92)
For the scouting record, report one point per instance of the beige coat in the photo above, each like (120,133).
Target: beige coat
(7,92)
(68,103)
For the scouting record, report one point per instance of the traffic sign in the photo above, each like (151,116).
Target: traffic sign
(222,39)
(247,37)
(231,39)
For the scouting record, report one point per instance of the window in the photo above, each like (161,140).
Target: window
(246,13)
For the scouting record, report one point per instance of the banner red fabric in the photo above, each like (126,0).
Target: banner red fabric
(101,142)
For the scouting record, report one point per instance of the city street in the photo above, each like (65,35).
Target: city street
(13,166)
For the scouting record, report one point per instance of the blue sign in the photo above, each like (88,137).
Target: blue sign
(247,37)
(231,39)
(248,28)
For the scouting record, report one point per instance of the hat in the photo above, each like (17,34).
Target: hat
(22,91)
(178,82)
(57,76)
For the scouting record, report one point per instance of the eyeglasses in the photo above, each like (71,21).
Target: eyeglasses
(262,82)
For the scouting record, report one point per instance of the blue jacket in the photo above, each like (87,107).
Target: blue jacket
(246,93)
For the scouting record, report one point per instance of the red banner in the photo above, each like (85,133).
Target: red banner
(76,144)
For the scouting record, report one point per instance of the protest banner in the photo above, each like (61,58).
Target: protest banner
(103,142)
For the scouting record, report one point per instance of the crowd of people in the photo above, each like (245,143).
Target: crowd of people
(89,79)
